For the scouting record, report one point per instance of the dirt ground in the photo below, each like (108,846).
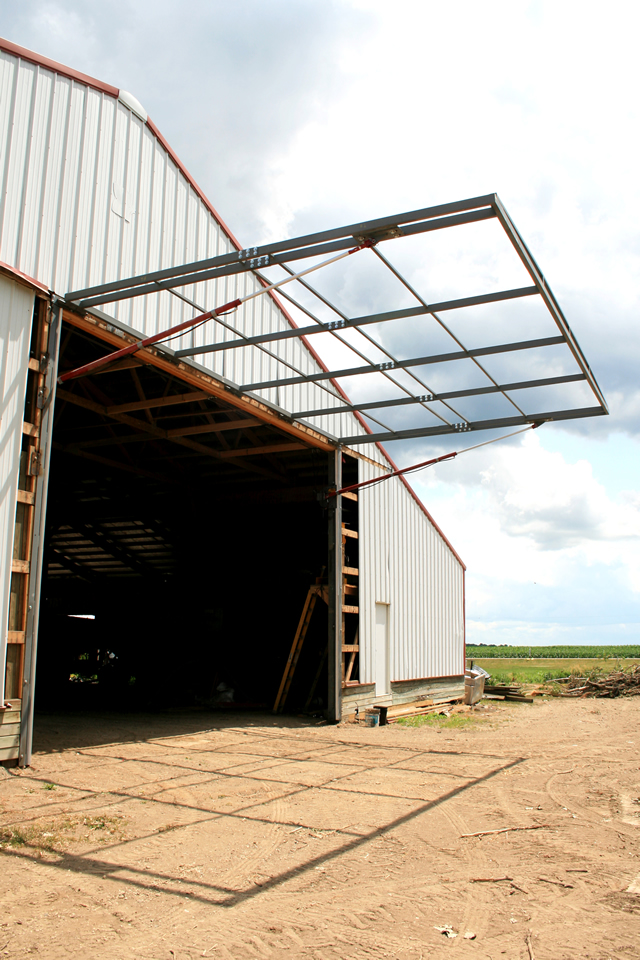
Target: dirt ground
(191,835)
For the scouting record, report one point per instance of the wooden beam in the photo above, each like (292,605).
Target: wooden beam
(127,364)
(216,427)
(254,451)
(113,441)
(169,401)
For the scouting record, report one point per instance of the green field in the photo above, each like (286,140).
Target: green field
(517,670)
(600,651)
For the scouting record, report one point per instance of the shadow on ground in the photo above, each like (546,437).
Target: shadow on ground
(69,730)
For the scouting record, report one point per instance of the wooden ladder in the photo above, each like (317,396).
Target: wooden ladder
(315,591)
(349,650)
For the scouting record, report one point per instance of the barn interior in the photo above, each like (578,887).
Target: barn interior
(182,537)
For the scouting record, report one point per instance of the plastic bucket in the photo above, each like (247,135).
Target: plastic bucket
(372,718)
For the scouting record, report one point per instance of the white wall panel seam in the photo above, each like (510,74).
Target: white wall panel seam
(8,151)
(27,165)
(63,169)
(108,192)
(79,180)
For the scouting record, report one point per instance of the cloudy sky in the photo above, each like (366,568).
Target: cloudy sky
(300,115)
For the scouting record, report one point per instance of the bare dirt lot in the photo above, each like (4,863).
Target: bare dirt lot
(191,835)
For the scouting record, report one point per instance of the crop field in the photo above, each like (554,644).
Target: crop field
(564,652)
(517,670)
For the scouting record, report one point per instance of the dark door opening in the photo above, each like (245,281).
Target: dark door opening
(177,559)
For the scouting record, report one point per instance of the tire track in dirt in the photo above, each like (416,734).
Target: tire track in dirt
(476,914)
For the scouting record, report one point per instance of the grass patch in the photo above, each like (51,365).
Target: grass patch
(457,721)
(54,836)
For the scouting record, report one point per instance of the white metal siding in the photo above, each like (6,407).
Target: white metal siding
(405,562)
(89,195)
(16,312)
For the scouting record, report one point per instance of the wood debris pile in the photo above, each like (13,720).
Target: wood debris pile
(618,684)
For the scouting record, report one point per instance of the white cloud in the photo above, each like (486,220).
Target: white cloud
(549,553)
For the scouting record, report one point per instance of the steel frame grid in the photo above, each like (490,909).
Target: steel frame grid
(372,233)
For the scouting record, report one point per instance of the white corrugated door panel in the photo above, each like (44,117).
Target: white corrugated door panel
(406,563)
(16,312)
(373,563)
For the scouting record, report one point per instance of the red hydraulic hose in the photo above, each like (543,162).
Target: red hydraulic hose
(134,347)
(387,476)
(430,463)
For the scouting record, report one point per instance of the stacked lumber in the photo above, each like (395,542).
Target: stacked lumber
(618,684)
(499,691)
(418,708)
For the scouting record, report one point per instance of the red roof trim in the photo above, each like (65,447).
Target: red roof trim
(23,277)
(60,68)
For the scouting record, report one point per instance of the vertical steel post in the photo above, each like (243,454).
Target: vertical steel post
(37,544)
(334,700)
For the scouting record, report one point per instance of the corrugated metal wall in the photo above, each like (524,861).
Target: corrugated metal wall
(406,563)
(16,312)
(89,195)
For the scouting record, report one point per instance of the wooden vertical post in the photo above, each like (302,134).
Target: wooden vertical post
(334,700)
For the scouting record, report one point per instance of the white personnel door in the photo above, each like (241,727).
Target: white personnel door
(383,683)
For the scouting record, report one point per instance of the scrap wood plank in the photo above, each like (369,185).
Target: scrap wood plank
(486,833)
(290,666)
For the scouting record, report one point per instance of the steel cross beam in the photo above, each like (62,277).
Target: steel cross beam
(270,254)
(402,364)
(334,325)
(495,424)
(433,397)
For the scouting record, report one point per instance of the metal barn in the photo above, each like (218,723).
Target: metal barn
(166,517)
